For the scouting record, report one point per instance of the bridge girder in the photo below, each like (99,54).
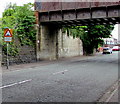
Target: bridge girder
(78,14)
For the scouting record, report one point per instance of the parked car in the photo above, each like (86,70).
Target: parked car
(116,48)
(107,50)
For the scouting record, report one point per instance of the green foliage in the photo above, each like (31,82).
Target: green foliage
(0,31)
(21,19)
(25,25)
(91,36)
(12,50)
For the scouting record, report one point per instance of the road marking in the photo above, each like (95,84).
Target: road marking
(13,84)
(8,85)
(59,72)
(112,95)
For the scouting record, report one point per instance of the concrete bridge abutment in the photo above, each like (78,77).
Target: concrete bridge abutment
(53,43)
(47,42)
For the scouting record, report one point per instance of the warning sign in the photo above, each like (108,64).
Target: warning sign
(7,35)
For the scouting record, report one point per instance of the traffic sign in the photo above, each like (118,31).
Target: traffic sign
(7,35)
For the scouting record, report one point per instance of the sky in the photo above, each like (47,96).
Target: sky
(4,3)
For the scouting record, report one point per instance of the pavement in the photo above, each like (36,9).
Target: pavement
(111,94)
(42,63)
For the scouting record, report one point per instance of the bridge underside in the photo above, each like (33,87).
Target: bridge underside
(85,22)
(85,16)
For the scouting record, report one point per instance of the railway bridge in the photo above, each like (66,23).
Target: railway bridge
(51,16)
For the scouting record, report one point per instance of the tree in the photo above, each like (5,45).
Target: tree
(21,19)
(24,23)
(91,36)
(0,31)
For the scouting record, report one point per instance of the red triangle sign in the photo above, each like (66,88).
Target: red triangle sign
(7,33)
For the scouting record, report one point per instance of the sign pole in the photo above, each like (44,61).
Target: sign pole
(7,56)
(7,38)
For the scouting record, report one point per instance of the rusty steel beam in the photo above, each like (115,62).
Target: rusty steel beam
(55,16)
(83,22)
(113,11)
(58,6)
(68,5)
(79,13)
(83,13)
(44,17)
(69,15)
(101,12)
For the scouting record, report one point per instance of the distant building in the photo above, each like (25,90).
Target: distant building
(110,41)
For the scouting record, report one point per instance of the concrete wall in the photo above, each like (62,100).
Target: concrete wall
(53,44)
(69,46)
(47,43)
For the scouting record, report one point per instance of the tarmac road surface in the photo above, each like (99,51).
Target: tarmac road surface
(72,80)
